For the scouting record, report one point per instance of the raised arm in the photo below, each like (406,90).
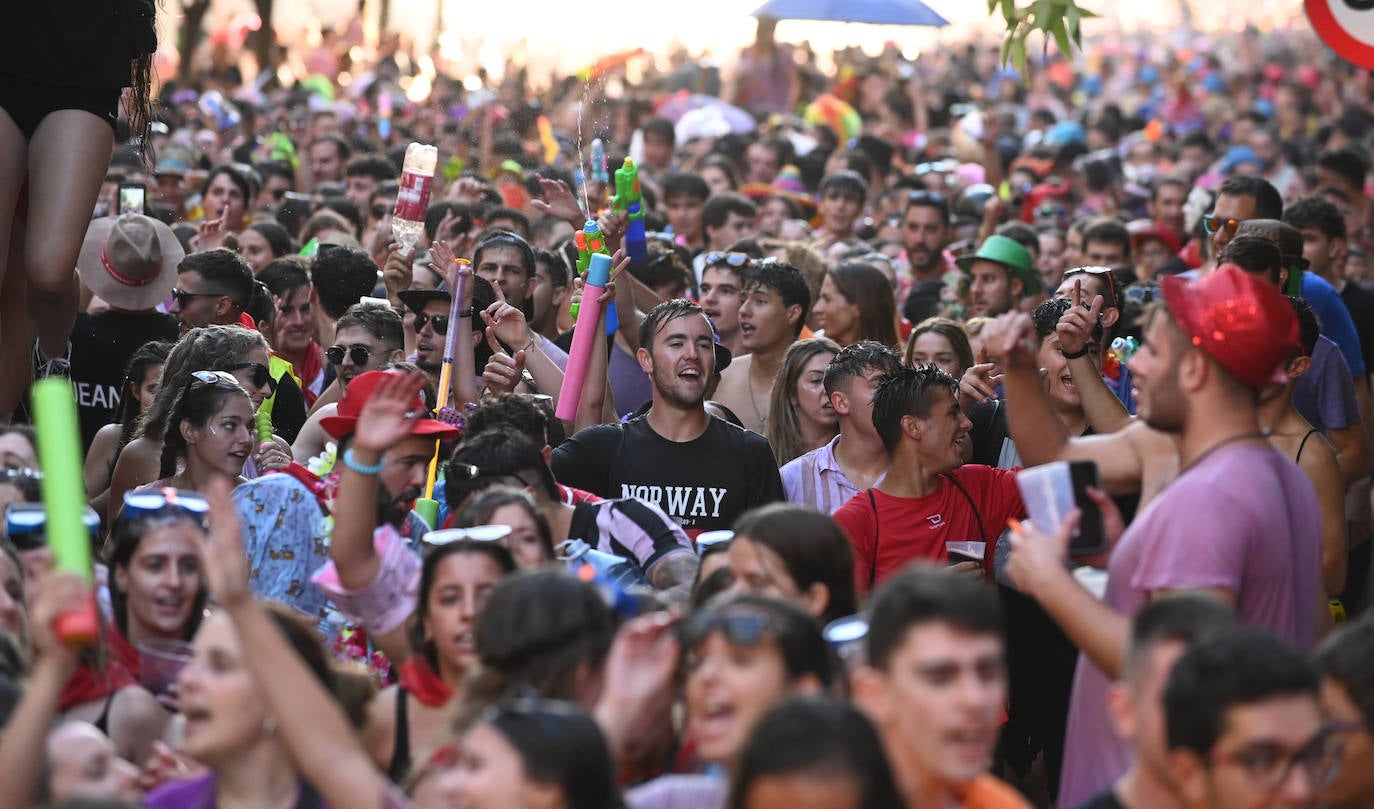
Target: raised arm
(463,376)
(1105,412)
(1034,425)
(311,723)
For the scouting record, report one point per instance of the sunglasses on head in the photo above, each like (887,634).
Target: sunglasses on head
(926,197)
(214,379)
(745,629)
(476,533)
(182,297)
(1212,224)
(730,259)
(439,322)
(359,355)
(1104,273)
(155,502)
(261,378)
(25,524)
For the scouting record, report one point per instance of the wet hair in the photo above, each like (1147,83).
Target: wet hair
(817,737)
(376,319)
(125,536)
(1268,203)
(866,287)
(224,273)
(210,348)
(196,403)
(812,548)
(924,595)
(149,355)
(429,571)
(661,315)
(1187,618)
(505,238)
(1241,667)
(1318,213)
(1347,656)
(907,392)
(341,276)
(853,361)
(283,278)
(559,744)
(482,507)
(1256,255)
(495,457)
(847,182)
(538,628)
(1309,325)
(798,636)
(948,329)
(278,240)
(784,421)
(788,282)
(1047,315)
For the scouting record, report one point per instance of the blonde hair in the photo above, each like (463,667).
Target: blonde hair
(783,428)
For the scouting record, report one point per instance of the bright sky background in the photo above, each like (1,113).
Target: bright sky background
(563,31)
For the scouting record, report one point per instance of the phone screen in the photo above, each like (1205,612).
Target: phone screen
(1091,536)
(131,197)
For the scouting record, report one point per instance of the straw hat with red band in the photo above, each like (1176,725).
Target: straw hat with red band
(356,395)
(130,261)
(1240,320)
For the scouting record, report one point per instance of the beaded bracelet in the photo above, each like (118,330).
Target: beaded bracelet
(359,467)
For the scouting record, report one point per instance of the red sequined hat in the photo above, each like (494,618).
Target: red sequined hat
(1241,321)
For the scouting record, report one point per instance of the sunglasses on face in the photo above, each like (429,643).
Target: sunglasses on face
(182,297)
(439,322)
(358,355)
(1212,224)
(261,378)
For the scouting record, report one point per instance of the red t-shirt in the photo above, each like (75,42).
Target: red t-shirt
(908,528)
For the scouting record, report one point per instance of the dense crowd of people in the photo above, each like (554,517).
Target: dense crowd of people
(775,547)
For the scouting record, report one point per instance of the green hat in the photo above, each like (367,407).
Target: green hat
(1008,253)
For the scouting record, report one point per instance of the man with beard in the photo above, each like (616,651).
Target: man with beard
(286,539)
(1000,275)
(1240,521)
(702,471)
(368,338)
(925,232)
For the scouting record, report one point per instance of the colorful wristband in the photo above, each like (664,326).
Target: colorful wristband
(359,467)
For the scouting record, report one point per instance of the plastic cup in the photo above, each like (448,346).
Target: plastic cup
(846,637)
(966,551)
(160,661)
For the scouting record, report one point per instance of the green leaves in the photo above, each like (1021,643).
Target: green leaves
(1057,20)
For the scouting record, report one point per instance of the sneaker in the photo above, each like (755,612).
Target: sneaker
(44,367)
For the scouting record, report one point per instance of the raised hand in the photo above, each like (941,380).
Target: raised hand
(558,201)
(1075,328)
(979,383)
(503,372)
(1010,341)
(396,272)
(507,323)
(389,414)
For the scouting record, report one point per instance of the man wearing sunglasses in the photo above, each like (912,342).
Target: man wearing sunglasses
(1239,198)
(432,308)
(1245,728)
(213,289)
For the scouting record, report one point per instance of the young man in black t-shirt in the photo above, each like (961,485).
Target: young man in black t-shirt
(702,471)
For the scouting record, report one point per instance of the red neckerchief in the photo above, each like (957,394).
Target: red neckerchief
(419,679)
(121,650)
(88,685)
(312,368)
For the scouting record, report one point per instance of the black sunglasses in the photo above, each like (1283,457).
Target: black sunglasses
(440,323)
(261,376)
(182,297)
(358,354)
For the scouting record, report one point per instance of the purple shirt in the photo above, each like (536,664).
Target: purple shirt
(199,793)
(816,480)
(1244,520)
(1325,395)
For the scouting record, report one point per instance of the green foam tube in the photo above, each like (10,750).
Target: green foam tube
(64,499)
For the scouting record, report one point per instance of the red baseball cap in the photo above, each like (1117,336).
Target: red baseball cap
(1241,321)
(356,395)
